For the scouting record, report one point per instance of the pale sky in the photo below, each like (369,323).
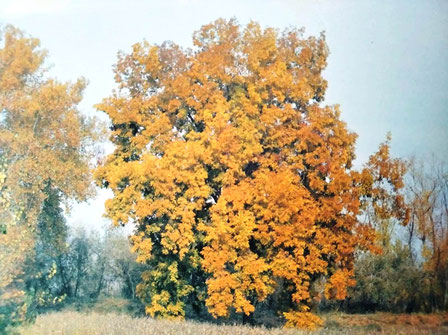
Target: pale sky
(388,63)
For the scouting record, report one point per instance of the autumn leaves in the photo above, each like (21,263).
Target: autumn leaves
(239,181)
(43,139)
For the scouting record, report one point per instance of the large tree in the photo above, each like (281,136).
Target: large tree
(238,178)
(43,152)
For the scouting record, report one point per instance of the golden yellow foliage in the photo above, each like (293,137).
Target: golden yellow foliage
(302,320)
(43,144)
(234,172)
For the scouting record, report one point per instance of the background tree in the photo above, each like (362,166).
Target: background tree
(427,190)
(122,265)
(44,144)
(411,274)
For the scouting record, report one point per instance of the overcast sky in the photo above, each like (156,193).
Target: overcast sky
(388,63)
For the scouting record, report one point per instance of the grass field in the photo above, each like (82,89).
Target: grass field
(71,323)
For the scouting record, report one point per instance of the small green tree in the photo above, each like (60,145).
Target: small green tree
(42,273)
(388,282)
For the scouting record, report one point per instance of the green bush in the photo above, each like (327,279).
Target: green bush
(388,282)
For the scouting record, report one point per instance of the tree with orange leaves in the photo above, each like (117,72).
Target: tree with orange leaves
(44,143)
(239,180)
(383,202)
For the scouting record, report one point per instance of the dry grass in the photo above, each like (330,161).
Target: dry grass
(73,323)
(388,323)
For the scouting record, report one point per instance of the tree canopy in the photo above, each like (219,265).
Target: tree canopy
(239,179)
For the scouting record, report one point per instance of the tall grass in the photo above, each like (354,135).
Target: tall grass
(94,323)
(76,323)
